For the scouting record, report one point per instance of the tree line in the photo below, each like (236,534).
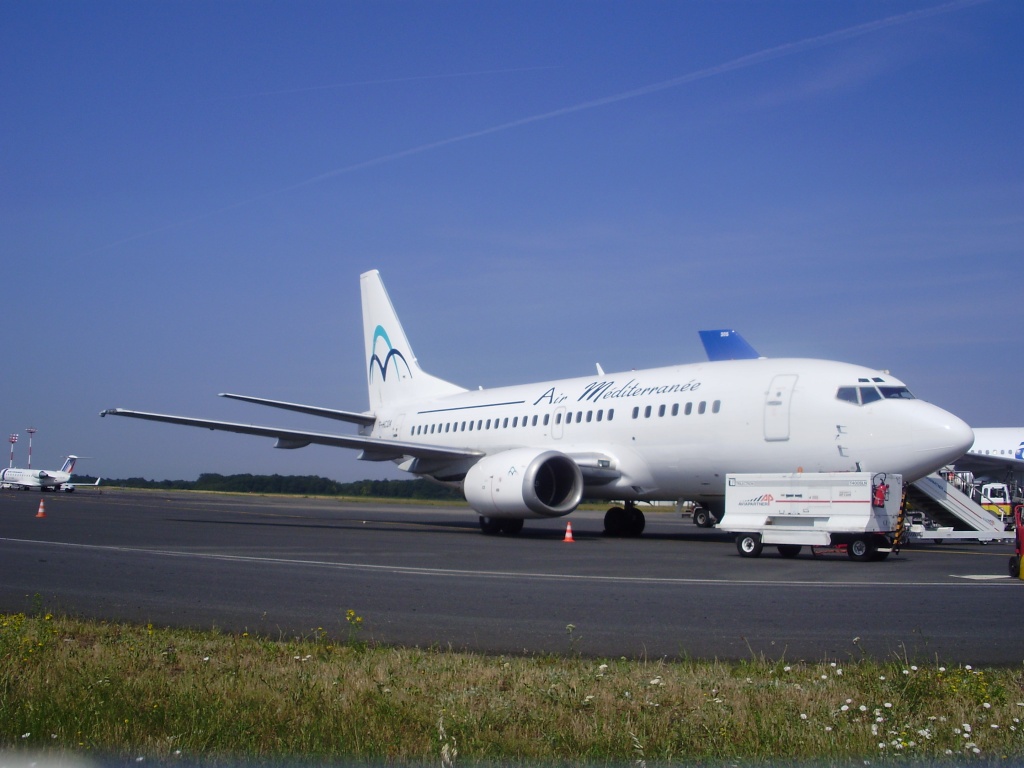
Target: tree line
(302,485)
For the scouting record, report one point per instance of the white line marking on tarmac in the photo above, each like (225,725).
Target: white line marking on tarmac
(451,572)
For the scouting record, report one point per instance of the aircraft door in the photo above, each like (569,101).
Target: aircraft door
(776,407)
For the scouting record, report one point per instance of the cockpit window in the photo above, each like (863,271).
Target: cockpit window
(869,395)
(863,395)
(848,394)
(896,393)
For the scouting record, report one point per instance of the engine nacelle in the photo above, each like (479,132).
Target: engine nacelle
(524,483)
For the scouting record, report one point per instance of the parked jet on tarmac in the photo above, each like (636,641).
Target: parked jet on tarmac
(536,450)
(41,479)
(996,455)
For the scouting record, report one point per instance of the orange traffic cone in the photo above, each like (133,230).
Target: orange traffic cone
(42,508)
(568,533)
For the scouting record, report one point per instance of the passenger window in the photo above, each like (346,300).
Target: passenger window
(689,409)
(716,406)
(647,412)
(558,418)
(547,419)
(661,410)
(636,413)
(702,407)
(848,394)
(504,424)
(675,409)
(869,395)
(515,421)
(600,415)
(590,415)
(611,414)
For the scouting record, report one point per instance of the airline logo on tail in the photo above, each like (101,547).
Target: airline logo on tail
(69,464)
(392,354)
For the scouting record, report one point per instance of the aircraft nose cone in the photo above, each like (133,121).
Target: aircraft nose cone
(962,437)
(947,438)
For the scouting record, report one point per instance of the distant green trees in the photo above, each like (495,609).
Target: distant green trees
(301,485)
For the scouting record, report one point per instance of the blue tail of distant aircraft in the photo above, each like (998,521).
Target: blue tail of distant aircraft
(726,345)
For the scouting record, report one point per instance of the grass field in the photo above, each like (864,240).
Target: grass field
(143,693)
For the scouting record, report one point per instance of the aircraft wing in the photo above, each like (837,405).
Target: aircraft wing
(375,448)
(980,463)
(363,419)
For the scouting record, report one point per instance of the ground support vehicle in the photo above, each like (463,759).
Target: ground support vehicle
(862,511)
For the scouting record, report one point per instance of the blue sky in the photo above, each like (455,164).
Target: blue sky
(190,190)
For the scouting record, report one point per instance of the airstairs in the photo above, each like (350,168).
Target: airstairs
(949,513)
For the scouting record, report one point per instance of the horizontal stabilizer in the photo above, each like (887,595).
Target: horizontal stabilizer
(726,345)
(362,419)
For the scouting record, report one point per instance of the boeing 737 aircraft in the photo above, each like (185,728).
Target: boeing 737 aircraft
(42,479)
(536,450)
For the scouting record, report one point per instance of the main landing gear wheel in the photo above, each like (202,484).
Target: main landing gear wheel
(749,544)
(493,526)
(623,523)
(702,518)
(789,550)
(1014,567)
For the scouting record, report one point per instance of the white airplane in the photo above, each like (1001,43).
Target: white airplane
(996,461)
(537,450)
(41,479)
(996,450)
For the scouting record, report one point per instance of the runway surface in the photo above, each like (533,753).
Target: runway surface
(426,576)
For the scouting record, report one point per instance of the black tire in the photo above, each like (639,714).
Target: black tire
(789,550)
(511,526)
(861,549)
(490,526)
(615,522)
(749,544)
(702,518)
(1015,567)
(636,522)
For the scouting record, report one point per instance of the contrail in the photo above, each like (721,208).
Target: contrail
(383,81)
(743,62)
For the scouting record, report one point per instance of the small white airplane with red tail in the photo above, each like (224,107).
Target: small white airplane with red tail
(41,479)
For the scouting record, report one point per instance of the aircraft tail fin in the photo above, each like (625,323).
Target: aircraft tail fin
(726,345)
(69,464)
(393,373)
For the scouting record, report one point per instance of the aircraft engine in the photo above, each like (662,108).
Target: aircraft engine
(524,483)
